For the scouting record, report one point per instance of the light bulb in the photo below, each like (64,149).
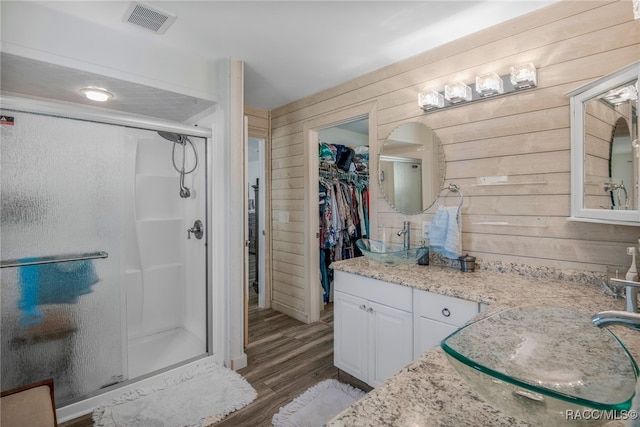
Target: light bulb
(97,94)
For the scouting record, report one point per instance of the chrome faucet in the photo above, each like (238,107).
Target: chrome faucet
(631,294)
(631,320)
(406,230)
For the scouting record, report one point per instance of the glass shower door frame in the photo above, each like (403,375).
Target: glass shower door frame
(39,107)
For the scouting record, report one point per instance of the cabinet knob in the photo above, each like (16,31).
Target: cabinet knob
(363,307)
(369,310)
(446,312)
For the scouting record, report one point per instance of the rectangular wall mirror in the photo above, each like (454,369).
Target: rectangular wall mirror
(605,155)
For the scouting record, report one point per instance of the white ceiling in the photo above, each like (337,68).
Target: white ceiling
(36,79)
(291,49)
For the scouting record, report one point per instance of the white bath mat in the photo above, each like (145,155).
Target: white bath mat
(317,405)
(199,397)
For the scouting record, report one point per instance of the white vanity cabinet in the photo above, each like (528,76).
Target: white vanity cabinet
(373,327)
(436,316)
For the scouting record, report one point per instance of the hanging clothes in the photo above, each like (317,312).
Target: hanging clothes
(343,206)
(342,218)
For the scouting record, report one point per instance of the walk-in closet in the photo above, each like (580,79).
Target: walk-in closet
(343,190)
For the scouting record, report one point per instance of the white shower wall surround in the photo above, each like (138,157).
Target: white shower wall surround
(122,198)
(165,316)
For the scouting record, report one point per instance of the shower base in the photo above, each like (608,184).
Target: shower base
(157,351)
(86,406)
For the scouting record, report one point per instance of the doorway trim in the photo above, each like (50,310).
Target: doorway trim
(313,296)
(258,127)
(265,199)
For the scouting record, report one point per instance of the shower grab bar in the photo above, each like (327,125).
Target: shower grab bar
(52,260)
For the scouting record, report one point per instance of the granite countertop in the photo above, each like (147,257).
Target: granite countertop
(429,391)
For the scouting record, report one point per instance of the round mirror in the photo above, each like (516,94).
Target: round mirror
(621,173)
(411,168)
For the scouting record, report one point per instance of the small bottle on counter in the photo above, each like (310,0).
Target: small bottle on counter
(424,259)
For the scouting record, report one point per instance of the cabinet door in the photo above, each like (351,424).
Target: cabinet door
(429,333)
(350,349)
(390,341)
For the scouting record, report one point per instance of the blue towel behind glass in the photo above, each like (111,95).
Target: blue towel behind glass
(57,283)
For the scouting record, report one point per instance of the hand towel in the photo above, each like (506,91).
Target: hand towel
(56,283)
(445,236)
(29,279)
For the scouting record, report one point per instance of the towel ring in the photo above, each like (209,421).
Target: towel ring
(451,188)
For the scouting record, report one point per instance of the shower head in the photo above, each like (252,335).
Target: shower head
(176,138)
(173,137)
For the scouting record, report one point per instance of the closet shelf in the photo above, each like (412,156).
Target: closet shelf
(343,175)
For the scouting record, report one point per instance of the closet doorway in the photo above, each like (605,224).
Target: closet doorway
(256,218)
(343,195)
(256,231)
(331,127)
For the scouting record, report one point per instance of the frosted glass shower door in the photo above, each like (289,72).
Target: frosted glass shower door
(61,197)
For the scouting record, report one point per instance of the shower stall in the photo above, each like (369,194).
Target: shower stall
(104,252)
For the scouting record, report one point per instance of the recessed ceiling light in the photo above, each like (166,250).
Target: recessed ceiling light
(97,94)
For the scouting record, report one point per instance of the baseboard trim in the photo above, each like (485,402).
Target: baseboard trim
(239,362)
(351,380)
(298,315)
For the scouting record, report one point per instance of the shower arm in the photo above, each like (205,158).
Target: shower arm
(185,193)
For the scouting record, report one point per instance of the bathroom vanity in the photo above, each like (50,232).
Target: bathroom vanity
(380,326)
(372,327)
(427,390)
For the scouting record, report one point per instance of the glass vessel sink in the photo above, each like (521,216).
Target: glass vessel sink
(545,365)
(390,253)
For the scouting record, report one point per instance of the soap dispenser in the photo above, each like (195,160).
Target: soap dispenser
(384,238)
(632,275)
(424,259)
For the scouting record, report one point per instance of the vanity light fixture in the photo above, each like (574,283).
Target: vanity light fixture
(523,76)
(457,92)
(430,100)
(486,86)
(97,94)
(489,84)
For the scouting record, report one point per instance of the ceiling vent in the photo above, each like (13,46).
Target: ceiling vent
(149,18)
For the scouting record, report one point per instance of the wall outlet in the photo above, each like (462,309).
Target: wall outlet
(425,229)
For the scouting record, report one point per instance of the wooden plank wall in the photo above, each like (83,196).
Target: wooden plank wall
(259,125)
(524,136)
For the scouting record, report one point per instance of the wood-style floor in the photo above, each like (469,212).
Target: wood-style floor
(285,357)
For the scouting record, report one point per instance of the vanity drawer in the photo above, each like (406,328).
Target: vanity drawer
(374,290)
(446,309)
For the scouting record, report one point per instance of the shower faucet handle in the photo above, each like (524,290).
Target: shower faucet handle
(196,230)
